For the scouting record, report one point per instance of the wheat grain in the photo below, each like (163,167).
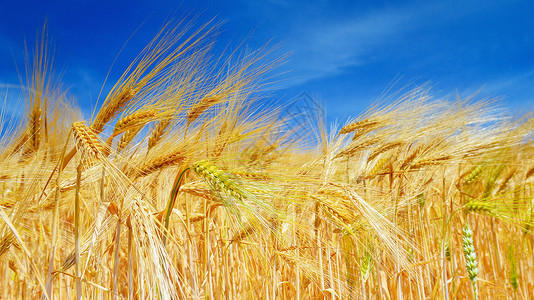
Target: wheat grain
(252,175)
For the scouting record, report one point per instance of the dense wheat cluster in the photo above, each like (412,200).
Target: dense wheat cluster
(181,187)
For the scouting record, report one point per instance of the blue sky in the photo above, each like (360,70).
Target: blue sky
(344,53)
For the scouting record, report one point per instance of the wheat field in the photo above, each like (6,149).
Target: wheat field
(181,185)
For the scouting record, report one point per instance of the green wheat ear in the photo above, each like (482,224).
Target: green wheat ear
(365,267)
(421,198)
(218,179)
(470,257)
(447,250)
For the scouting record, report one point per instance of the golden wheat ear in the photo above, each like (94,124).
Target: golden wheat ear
(41,87)
(87,140)
(150,72)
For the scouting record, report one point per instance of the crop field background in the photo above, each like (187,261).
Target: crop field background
(184,184)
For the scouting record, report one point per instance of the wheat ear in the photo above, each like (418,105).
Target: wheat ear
(136,119)
(474,173)
(87,140)
(360,126)
(34,131)
(161,162)
(355,147)
(529,173)
(383,149)
(218,179)
(365,267)
(132,124)
(514,276)
(157,133)
(470,257)
(112,108)
(127,138)
(202,106)
(478,206)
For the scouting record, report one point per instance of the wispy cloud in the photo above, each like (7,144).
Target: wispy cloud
(329,48)
(515,90)
(502,84)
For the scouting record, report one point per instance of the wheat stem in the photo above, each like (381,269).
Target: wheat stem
(55,224)
(77,231)
(172,199)
(116,259)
